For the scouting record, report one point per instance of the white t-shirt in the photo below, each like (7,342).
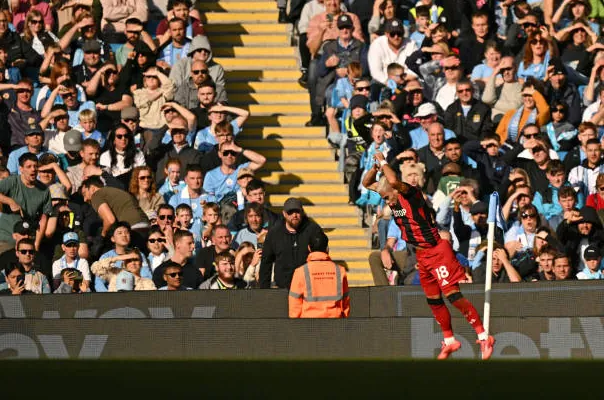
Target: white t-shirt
(80,264)
(119,168)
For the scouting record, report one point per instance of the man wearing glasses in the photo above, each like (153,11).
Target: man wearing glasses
(179,270)
(427,115)
(68,93)
(87,29)
(187,93)
(286,245)
(469,118)
(134,34)
(390,48)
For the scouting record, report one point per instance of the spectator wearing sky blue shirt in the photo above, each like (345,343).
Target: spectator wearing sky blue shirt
(34,137)
(222,180)
(392,257)
(193,194)
(120,237)
(175,46)
(427,115)
(206,138)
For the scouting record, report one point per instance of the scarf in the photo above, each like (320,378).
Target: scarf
(513,126)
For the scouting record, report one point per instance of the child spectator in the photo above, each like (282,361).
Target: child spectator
(244,176)
(173,184)
(70,260)
(395,83)
(547,202)
(592,269)
(211,219)
(341,95)
(378,132)
(159,249)
(185,220)
(422,21)
(72,281)
(87,126)
(206,138)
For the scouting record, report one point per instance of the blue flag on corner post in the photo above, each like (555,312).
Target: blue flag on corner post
(495,213)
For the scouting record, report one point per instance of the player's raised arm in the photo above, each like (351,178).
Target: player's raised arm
(369,180)
(390,175)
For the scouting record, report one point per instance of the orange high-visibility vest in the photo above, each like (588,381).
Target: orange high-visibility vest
(319,289)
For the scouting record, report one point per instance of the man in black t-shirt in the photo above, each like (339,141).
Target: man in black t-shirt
(183,252)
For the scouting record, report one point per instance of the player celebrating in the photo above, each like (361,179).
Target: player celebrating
(439,270)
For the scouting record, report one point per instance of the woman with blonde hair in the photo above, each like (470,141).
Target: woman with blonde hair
(142,187)
(35,34)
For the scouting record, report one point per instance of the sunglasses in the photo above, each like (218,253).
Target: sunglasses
(527,95)
(502,70)
(175,274)
(134,32)
(110,72)
(527,215)
(159,240)
(395,34)
(290,212)
(491,145)
(145,177)
(199,71)
(229,153)
(120,137)
(537,149)
(69,95)
(531,135)
(35,21)
(362,88)
(384,117)
(166,216)
(28,251)
(466,90)
(558,109)
(537,42)
(405,159)
(425,117)
(87,28)
(92,52)
(23,91)
(72,245)
(178,131)
(451,68)
(529,25)
(130,120)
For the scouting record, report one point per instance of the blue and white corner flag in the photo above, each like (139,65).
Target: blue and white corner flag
(495,213)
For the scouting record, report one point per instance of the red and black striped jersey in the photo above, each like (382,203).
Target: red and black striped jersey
(415,218)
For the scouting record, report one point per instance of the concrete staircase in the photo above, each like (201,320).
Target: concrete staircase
(262,71)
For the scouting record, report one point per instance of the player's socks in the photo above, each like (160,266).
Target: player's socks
(443,317)
(469,312)
(449,340)
(482,336)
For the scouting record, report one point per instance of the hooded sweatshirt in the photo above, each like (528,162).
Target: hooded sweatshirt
(182,69)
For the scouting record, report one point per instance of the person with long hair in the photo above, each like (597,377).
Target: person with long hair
(575,40)
(577,10)
(383,10)
(143,188)
(60,72)
(36,34)
(561,133)
(121,155)
(537,53)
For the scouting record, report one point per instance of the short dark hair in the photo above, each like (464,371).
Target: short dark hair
(116,225)
(452,140)
(59,107)
(27,157)
(567,191)
(181,233)
(194,168)
(254,184)
(592,141)
(176,19)
(171,264)
(422,11)
(173,3)
(134,21)
(555,167)
(93,181)
(165,207)
(13,266)
(27,241)
(207,83)
(560,255)
(220,226)
(319,242)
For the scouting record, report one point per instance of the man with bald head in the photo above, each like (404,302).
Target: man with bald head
(186,94)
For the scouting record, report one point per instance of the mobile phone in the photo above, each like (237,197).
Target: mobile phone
(259,246)
(20,280)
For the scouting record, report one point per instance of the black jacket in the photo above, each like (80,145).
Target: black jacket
(573,158)
(18,49)
(287,251)
(474,126)
(539,181)
(493,168)
(191,276)
(568,94)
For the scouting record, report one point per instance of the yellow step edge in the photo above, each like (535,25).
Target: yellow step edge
(302,189)
(325,210)
(285,154)
(275,108)
(271,98)
(246,39)
(319,143)
(285,120)
(253,51)
(334,243)
(270,175)
(345,254)
(236,5)
(246,28)
(252,74)
(218,17)
(333,221)
(257,63)
(260,87)
(300,166)
(268,130)
(355,276)
(312,199)
(360,265)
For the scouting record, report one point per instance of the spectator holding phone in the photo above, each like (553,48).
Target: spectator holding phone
(72,281)
(15,278)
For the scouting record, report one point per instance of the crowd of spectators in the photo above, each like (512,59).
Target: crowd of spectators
(466,98)
(120,169)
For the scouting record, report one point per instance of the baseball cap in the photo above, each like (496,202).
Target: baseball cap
(480,207)
(425,109)
(358,100)
(130,113)
(558,66)
(344,21)
(23,228)
(72,141)
(57,192)
(91,45)
(292,203)
(124,281)
(34,129)
(588,214)
(591,253)
(243,172)
(70,237)
(394,25)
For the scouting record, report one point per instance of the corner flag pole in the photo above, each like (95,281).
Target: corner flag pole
(492,220)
